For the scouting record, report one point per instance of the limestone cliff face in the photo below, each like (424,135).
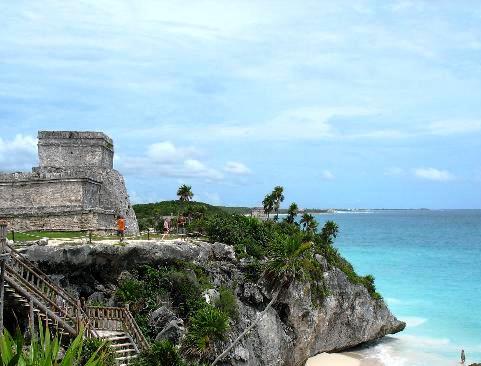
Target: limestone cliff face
(293,330)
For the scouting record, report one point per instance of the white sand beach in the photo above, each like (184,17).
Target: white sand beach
(340,359)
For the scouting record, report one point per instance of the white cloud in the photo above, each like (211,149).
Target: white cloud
(433,174)
(195,168)
(167,152)
(18,154)
(235,167)
(327,175)
(304,123)
(166,159)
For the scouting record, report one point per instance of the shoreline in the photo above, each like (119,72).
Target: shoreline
(341,359)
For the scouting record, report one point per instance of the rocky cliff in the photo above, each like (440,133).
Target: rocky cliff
(293,330)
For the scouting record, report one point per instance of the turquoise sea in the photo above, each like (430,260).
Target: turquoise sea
(427,266)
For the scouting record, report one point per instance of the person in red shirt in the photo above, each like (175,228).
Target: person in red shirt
(121,227)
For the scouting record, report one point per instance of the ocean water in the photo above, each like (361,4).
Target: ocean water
(427,266)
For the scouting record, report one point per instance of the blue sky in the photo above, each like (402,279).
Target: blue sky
(344,103)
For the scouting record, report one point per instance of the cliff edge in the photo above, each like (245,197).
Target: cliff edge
(301,324)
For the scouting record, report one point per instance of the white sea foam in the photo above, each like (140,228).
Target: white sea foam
(387,356)
(393,301)
(409,351)
(427,342)
(414,321)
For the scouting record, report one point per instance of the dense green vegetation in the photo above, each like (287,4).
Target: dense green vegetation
(279,251)
(44,350)
(149,215)
(162,353)
(181,285)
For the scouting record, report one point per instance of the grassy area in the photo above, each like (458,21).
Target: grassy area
(36,235)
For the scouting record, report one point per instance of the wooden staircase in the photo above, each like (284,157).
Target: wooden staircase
(32,290)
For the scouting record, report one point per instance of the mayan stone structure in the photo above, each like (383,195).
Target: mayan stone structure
(74,188)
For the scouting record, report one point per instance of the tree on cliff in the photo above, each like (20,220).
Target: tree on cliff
(308,222)
(329,232)
(290,258)
(292,213)
(185,193)
(278,198)
(268,204)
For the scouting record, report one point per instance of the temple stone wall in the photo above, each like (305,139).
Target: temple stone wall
(74,188)
(35,193)
(74,220)
(68,148)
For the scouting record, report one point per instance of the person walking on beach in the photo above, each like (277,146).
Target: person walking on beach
(463,357)
(120,227)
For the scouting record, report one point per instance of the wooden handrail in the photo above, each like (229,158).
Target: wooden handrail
(104,316)
(39,282)
(27,279)
(23,282)
(34,269)
(135,331)
(40,305)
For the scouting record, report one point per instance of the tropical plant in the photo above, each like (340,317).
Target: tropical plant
(289,259)
(162,353)
(227,302)
(268,203)
(278,196)
(206,326)
(185,193)
(308,222)
(292,213)
(45,351)
(329,232)
(93,345)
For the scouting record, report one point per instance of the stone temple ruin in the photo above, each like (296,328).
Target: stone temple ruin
(75,188)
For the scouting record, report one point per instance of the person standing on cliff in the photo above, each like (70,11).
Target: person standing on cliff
(120,227)
(463,357)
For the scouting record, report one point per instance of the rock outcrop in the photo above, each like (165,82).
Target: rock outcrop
(293,330)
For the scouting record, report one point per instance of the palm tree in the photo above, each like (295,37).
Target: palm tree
(278,196)
(268,204)
(289,259)
(329,232)
(292,213)
(308,222)
(185,193)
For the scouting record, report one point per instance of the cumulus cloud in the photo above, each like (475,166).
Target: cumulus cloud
(18,154)
(433,174)
(167,152)
(167,159)
(235,167)
(327,175)
(196,168)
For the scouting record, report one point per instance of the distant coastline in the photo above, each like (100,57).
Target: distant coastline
(283,211)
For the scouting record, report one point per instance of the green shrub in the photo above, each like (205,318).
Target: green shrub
(206,326)
(253,270)
(178,283)
(162,353)
(91,346)
(44,350)
(227,303)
